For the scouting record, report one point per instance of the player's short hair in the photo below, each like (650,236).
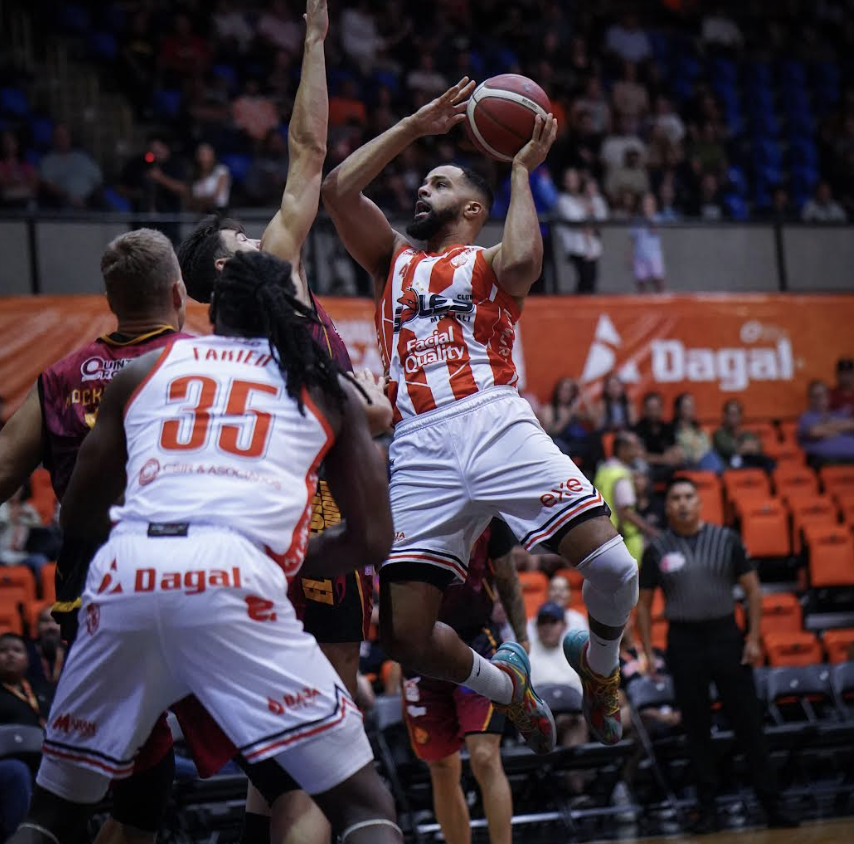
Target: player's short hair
(199,251)
(480,185)
(675,480)
(139,268)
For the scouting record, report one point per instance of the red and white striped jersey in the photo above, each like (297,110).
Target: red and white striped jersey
(445,329)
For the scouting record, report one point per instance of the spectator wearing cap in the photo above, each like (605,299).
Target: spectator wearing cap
(827,436)
(560,593)
(842,395)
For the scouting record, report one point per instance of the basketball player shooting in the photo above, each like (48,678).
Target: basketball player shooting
(466,446)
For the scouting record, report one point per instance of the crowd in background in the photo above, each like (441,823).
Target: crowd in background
(637,138)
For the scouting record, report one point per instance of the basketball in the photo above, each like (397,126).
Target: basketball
(501,114)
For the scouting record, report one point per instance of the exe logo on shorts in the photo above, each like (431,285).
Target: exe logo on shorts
(300,700)
(68,724)
(414,305)
(568,488)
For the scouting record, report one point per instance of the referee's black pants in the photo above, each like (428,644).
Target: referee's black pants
(697,653)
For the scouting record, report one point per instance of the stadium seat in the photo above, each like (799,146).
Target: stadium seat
(788,430)
(795,648)
(765,431)
(43,497)
(167,104)
(837,644)
(32,612)
(781,613)
(18,576)
(799,693)
(795,481)
(837,479)
(831,555)
(740,484)
(10,620)
(576,581)
(764,526)
(659,634)
(845,502)
(14,103)
(711,495)
(786,454)
(842,679)
(535,587)
(808,511)
(48,582)
(607,438)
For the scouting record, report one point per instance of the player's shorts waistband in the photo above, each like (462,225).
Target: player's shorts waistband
(455,408)
(173,530)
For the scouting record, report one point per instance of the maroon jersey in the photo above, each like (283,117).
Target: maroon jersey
(71,390)
(328,338)
(467,607)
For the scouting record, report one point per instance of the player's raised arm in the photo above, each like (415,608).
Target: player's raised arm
(21,447)
(358,480)
(287,231)
(99,477)
(518,259)
(360,224)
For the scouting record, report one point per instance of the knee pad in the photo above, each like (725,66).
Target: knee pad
(72,783)
(610,582)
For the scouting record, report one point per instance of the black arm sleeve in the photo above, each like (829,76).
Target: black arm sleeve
(649,571)
(742,564)
(501,539)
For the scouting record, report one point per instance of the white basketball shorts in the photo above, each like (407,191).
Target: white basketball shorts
(203,614)
(455,468)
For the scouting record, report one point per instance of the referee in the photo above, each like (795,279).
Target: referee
(696,565)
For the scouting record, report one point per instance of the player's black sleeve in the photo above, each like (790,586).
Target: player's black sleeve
(501,539)
(649,571)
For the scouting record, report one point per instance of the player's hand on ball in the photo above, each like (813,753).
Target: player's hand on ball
(316,19)
(445,112)
(534,153)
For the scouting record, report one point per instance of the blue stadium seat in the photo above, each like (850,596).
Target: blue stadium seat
(737,180)
(73,18)
(386,79)
(736,207)
(793,73)
(764,124)
(166,103)
(238,164)
(725,69)
(103,46)
(660,47)
(226,72)
(803,152)
(116,202)
(32,157)
(14,103)
(41,131)
(767,152)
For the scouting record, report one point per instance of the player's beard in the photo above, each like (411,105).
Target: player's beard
(431,224)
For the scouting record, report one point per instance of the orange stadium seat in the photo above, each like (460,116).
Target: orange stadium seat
(787,454)
(32,612)
(20,576)
(576,581)
(48,582)
(795,648)
(659,634)
(837,479)
(607,438)
(831,555)
(795,481)
(789,431)
(711,495)
(781,613)
(43,497)
(764,527)
(838,644)
(809,511)
(845,503)
(765,431)
(740,484)
(10,620)
(535,587)
(13,596)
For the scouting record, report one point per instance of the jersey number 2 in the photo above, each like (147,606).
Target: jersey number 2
(175,435)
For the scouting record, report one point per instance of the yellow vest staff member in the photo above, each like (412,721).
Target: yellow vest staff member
(614,482)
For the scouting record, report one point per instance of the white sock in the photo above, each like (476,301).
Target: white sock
(489,681)
(603,655)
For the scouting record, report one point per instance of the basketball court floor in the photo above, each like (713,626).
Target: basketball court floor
(824,832)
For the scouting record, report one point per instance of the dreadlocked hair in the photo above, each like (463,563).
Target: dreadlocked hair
(255,296)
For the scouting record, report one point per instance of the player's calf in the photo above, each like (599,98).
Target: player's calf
(52,820)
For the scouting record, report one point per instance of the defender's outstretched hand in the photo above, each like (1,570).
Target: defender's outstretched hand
(316,19)
(535,151)
(445,112)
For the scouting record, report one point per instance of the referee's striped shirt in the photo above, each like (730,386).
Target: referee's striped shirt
(696,573)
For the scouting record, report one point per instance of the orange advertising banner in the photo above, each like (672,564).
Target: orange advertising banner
(761,349)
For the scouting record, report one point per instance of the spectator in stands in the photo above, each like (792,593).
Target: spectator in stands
(211,187)
(138,60)
(842,395)
(735,445)
(24,705)
(625,207)
(615,482)
(346,107)
(19,180)
(631,176)
(614,147)
(594,103)
(668,120)
(254,113)
(567,418)
(720,30)
(17,519)
(647,254)
(708,154)
(630,97)
(70,178)
(781,209)
(268,172)
(658,438)
(582,245)
(823,208)
(549,666)
(232,28)
(614,411)
(46,652)
(691,438)
(560,593)
(696,566)
(627,40)
(183,53)
(709,206)
(582,144)
(649,507)
(360,38)
(666,202)
(278,28)
(425,79)
(827,436)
